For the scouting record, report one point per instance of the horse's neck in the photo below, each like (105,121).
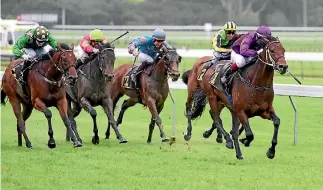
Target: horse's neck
(92,68)
(50,67)
(261,74)
(158,72)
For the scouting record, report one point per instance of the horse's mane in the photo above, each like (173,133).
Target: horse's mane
(272,38)
(107,45)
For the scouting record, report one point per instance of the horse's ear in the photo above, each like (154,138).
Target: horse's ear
(72,46)
(59,47)
(179,59)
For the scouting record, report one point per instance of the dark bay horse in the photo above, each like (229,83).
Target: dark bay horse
(92,89)
(45,87)
(153,89)
(251,93)
(195,86)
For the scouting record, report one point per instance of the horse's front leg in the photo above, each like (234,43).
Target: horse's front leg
(85,104)
(245,124)
(271,115)
(107,106)
(151,103)
(62,108)
(72,113)
(209,132)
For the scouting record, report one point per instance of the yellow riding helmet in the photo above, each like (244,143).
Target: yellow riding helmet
(230,26)
(96,35)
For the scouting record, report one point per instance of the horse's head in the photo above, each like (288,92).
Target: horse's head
(172,60)
(274,55)
(67,61)
(106,58)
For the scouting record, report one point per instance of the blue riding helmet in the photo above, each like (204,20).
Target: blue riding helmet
(159,34)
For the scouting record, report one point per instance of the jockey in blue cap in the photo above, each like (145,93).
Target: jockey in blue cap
(149,46)
(246,48)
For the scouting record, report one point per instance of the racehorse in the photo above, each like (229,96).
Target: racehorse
(91,89)
(153,88)
(250,93)
(195,86)
(45,88)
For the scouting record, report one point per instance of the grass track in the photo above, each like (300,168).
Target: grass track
(203,164)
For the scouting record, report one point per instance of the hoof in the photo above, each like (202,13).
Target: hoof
(229,144)
(245,142)
(107,137)
(51,144)
(219,140)
(165,139)
(95,140)
(187,137)
(206,134)
(148,141)
(122,140)
(29,146)
(239,157)
(77,144)
(270,154)
(68,139)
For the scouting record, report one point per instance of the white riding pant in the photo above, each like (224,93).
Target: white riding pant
(37,52)
(142,57)
(239,59)
(80,53)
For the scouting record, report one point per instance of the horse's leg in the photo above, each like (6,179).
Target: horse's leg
(107,106)
(151,103)
(209,132)
(26,112)
(115,101)
(191,86)
(62,108)
(85,104)
(218,122)
(72,113)
(245,124)
(272,116)
(152,123)
(125,105)
(235,135)
(40,105)
(21,129)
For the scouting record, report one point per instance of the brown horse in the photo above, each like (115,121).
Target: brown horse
(153,89)
(44,87)
(250,93)
(195,86)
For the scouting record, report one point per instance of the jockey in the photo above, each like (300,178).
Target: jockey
(223,41)
(246,48)
(33,44)
(149,47)
(88,46)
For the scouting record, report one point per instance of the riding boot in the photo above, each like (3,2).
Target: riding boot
(141,67)
(22,73)
(227,73)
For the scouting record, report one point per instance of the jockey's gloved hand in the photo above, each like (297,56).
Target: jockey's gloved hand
(135,52)
(25,56)
(259,51)
(95,50)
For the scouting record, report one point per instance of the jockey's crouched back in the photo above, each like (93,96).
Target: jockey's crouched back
(88,46)
(33,44)
(148,46)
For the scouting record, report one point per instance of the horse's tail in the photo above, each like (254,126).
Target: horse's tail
(3,97)
(198,103)
(185,76)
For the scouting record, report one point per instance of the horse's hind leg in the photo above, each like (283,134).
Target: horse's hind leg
(26,112)
(125,105)
(235,134)
(216,110)
(21,129)
(209,132)
(107,106)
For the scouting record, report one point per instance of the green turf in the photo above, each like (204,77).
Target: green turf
(202,164)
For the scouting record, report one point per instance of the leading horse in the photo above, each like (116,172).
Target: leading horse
(250,94)
(45,88)
(153,89)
